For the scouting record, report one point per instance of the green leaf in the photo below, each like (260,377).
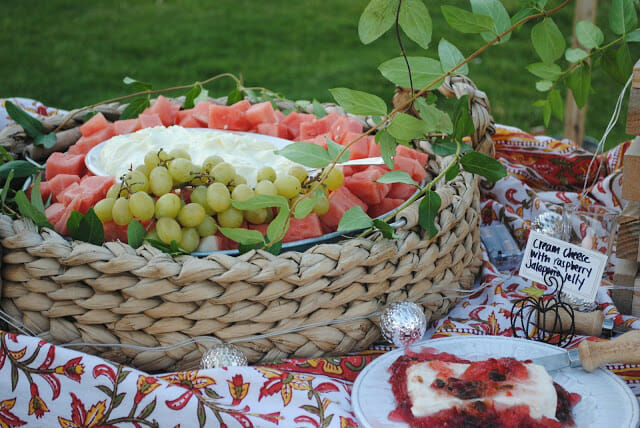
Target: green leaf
(233,97)
(46,140)
(427,212)
(305,206)
(633,36)
(415,21)
(618,63)
(388,232)
(424,71)
(589,35)
(462,120)
(137,85)
(495,9)
(318,109)
(579,82)
(450,56)
(335,149)
(467,22)
(204,96)
(20,168)
(397,176)
(452,172)
(436,120)
(307,154)
(575,55)
(32,126)
(449,147)
(135,233)
(148,409)
(376,19)
(622,16)
(135,107)
(481,164)
(387,147)
(27,209)
(548,40)
(242,235)
(36,196)
(261,201)
(546,112)
(87,228)
(278,225)
(358,102)
(355,219)
(191,95)
(556,104)
(545,71)
(6,187)
(405,127)
(543,85)
(521,14)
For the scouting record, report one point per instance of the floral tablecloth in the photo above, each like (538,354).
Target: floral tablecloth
(46,385)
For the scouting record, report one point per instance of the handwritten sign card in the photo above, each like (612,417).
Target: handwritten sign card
(580,268)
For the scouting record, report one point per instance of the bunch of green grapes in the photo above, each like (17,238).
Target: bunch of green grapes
(180,201)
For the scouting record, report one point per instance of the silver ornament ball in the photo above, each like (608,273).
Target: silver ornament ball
(223,355)
(403,323)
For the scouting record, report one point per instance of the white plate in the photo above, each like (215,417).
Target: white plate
(606,400)
(94,164)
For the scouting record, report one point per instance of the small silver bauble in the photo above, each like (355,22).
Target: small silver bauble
(402,323)
(549,223)
(223,355)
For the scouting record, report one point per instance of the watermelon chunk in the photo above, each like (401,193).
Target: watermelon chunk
(303,228)
(320,140)
(165,109)
(274,130)
(401,191)
(359,149)
(61,225)
(363,185)
(343,125)
(125,126)
(185,119)
(340,200)
(242,105)
(96,123)
(261,113)
(85,144)
(69,193)
(61,182)
(226,117)
(149,120)
(54,212)
(385,206)
(310,129)
(201,112)
(115,232)
(293,121)
(405,151)
(411,166)
(64,163)
(45,191)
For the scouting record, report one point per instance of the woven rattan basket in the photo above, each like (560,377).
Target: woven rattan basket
(113,294)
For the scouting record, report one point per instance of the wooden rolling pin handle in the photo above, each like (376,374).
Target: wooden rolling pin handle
(586,323)
(624,349)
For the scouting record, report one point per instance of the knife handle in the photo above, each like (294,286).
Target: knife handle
(624,349)
(586,323)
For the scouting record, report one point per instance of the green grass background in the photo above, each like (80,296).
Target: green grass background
(74,53)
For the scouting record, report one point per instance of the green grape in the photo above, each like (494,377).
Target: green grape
(120,212)
(299,172)
(168,230)
(168,205)
(266,173)
(258,216)
(104,209)
(208,226)
(142,206)
(160,182)
(151,159)
(191,215)
(181,170)
(266,187)
(152,234)
(322,205)
(238,179)
(179,153)
(190,239)
(223,173)
(242,192)
(143,169)
(210,162)
(334,179)
(288,186)
(199,196)
(136,181)
(230,217)
(218,197)
(114,191)
(163,156)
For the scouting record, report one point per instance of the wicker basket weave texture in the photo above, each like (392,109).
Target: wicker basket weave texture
(114,294)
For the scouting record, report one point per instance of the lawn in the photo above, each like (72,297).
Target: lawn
(70,54)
